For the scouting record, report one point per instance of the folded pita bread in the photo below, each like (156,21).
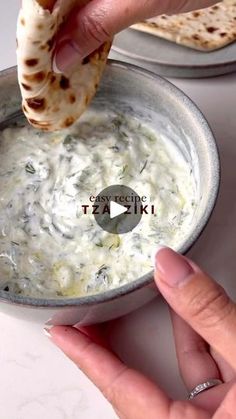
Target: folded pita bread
(205,30)
(52,101)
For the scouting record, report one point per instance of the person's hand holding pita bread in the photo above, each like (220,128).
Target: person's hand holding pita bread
(96,22)
(63,45)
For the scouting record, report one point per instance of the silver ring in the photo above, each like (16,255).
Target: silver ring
(203,387)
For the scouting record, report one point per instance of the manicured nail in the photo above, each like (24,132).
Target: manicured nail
(67,54)
(49,323)
(172,268)
(155,251)
(47,332)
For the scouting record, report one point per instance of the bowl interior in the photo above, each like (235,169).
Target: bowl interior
(166,109)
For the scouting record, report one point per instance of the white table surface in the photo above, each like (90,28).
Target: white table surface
(36,380)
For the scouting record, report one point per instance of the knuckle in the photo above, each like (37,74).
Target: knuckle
(193,348)
(93,28)
(112,392)
(211,308)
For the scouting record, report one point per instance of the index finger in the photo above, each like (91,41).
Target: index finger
(132,394)
(199,300)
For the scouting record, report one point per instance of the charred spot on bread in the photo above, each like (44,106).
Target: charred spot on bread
(26,86)
(215,7)
(196,14)
(51,43)
(35,77)
(68,122)
(31,62)
(86,60)
(64,83)
(40,26)
(52,79)
(38,104)
(22,21)
(72,98)
(47,4)
(196,37)
(211,29)
(223,34)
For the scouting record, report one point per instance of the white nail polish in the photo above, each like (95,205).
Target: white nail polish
(49,322)
(156,250)
(46,332)
(54,66)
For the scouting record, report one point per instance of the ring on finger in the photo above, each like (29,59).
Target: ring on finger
(203,387)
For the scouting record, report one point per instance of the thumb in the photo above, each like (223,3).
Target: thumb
(200,301)
(98,21)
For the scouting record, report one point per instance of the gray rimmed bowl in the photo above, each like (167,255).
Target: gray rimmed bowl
(164,107)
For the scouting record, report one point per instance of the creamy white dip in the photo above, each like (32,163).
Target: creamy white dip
(48,247)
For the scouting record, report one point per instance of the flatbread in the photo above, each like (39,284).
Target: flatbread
(205,30)
(52,101)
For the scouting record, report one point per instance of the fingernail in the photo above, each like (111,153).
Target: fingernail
(155,251)
(49,323)
(172,268)
(46,331)
(66,56)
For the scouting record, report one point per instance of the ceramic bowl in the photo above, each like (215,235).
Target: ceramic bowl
(167,110)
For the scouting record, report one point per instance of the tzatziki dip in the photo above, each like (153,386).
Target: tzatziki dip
(48,246)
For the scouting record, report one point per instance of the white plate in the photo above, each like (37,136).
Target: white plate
(170,59)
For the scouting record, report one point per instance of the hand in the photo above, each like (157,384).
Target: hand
(96,21)
(204,323)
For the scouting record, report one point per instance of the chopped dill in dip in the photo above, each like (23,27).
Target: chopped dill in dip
(48,246)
